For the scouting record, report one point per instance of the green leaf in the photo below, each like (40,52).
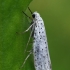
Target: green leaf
(12,44)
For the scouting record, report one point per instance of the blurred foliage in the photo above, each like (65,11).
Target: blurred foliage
(12,44)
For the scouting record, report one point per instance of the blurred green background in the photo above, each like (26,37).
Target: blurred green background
(56,16)
(12,43)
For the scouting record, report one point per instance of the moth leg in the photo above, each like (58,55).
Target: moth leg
(25,30)
(26,58)
(28,28)
(30,51)
(28,41)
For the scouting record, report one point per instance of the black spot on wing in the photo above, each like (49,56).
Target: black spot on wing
(42,49)
(41,65)
(45,62)
(40,38)
(45,42)
(41,23)
(42,32)
(35,60)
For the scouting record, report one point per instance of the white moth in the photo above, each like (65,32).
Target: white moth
(40,46)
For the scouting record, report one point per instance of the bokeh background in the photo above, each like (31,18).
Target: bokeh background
(56,16)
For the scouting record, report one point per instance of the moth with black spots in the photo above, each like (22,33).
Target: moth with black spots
(40,45)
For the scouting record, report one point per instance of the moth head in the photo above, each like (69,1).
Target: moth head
(35,15)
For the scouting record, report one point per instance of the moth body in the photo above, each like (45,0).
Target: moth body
(40,45)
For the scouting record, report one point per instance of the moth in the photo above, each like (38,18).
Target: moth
(40,45)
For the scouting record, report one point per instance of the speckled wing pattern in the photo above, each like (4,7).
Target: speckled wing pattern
(40,46)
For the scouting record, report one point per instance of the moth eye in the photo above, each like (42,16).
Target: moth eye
(33,15)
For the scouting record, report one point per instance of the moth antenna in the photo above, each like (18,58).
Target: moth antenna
(27,15)
(30,10)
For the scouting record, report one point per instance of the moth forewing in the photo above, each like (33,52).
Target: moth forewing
(40,45)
